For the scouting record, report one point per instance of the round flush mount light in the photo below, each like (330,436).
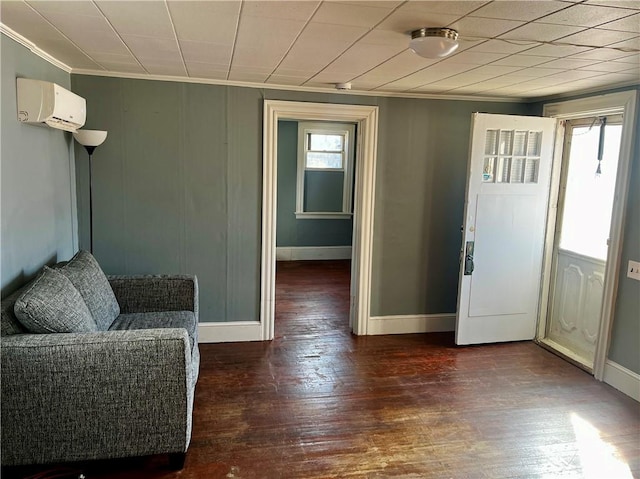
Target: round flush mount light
(434,42)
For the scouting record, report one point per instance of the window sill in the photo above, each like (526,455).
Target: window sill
(323,216)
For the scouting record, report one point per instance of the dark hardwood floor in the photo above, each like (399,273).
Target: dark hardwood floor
(318,402)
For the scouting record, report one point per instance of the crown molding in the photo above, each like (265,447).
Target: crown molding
(33,48)
(270,86)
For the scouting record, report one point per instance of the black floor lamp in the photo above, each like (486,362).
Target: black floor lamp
(90,139)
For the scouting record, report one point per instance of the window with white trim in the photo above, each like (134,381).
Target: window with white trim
(325,170)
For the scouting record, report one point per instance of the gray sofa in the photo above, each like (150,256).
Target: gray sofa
(97,367)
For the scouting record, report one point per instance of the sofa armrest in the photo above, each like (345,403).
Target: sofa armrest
(68,397)
(146,293)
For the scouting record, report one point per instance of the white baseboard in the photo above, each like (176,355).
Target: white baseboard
(229,332)
(413,323)
(622,379)
(301,253)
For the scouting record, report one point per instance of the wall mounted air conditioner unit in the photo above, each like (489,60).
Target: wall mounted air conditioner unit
(41,102)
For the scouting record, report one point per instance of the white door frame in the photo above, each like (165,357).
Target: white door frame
(366,118)
(613,103)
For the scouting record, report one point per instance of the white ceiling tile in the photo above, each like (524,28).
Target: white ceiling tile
(349,14)
(386,38)
(602,54)
(569,63)
(206,70)
(405,20)
(598,38)
(373,3)
(213,22)
(429,75)
(149,47)
(102,57)
(555,51)
(450,7)
(475,58)
(361,58)
(276,37)
(586,15)
(166,69)
(633,59)
(518,10)
(202,52)
(535,72)
(80,7)
(484,27)
(396,67)
(541,32)
(286,80)
(627,24)
(91,34)
(149,19)
(364,85)
(123,67)
(319,44)
(495,70)
(499,46)
(522,61)
(236,75)
(631,4)
(609,67)
(614,78)
(288,10)
(633,45)
(570,75)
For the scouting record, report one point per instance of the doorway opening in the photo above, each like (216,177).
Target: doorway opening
(593,124)
(583,225)
(314,230)
(365,119)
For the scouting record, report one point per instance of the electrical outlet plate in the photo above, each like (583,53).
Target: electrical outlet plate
(633,270)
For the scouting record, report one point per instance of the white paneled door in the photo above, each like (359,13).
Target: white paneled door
(508,182)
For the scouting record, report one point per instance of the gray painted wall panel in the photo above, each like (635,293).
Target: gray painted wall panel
(420,188)
(244,215)
(38,212)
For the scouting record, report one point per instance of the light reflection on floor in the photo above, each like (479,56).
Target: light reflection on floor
(598,458)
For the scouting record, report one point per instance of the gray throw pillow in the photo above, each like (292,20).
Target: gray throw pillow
(51,304)
(86,275)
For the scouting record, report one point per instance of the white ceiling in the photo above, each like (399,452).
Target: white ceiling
(514,49)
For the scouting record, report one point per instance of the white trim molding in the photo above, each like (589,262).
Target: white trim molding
(303,253)
(412,323)
(366,117)
(33,48)
(229,332)
(612,103)
(622,379)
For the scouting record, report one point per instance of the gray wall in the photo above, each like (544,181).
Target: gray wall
(38,212)
(307,232)
(177,188)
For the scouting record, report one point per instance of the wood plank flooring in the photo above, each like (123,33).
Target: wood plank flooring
(318,402)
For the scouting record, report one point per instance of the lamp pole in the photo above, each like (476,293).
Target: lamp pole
(90,139)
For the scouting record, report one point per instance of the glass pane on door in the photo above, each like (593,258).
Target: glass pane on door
(588,201)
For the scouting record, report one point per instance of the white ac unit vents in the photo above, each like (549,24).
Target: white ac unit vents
(41,102)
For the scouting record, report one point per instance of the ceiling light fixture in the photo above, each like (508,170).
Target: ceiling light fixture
(434,42)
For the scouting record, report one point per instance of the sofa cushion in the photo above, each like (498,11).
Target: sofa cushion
(86,275)
(162,319)
(51,304)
